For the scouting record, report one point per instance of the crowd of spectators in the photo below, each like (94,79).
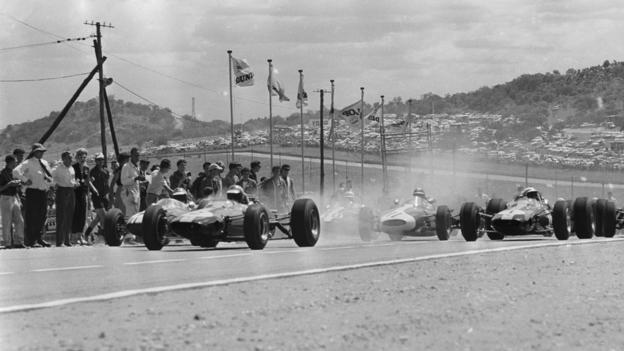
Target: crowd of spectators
(27,184)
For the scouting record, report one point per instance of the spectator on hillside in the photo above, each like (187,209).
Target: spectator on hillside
(179,178)
(249,185)
(99,176)
(255,168)
(10,206)
(82,195)
(35,174)
(233,175)
(64,176)
(159,187)
(202,181)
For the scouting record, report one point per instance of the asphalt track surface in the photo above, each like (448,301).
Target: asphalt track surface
(50,277)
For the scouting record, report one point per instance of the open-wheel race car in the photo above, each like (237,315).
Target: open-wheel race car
(417,216)
(236,218)
(343,209)
(528,214)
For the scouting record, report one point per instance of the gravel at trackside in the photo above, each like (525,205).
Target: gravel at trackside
(544,299)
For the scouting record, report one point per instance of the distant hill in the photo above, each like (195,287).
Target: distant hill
(551,99)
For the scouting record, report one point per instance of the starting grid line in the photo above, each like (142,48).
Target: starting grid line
(222,282)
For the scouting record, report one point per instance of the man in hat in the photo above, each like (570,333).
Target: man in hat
(35,174)
(10,207)
(233,175)
(130,179)
(65,178)
(99,196)
(215,179)
(289,195)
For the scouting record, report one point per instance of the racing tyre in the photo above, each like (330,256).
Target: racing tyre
(495,235)
(443,222)
(365,224)
(599,207)
(493,207)
(114,227)
(469,221)
(609,219)
(562,222)
(256,227)
(155,227)
(305,223)
(583,218)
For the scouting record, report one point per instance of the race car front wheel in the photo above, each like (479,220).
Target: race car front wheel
(443,222)
(256,227)
(562,223)
(155,227)
(114,227)
(305,223)
(583,218)
(469,221)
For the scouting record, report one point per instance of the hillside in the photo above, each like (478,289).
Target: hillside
(546,100)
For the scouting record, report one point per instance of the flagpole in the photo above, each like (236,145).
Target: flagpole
(231,103)
(302,139)
(270,110)
(362,141)
(333,139)
(322,142)
(409,119)
(382,147)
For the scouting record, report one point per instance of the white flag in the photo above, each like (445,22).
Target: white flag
(275,86)
(242,71)
(302,96)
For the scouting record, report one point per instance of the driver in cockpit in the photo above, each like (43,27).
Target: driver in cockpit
(236,193)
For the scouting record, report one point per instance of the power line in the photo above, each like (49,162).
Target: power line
(142,98)
(43,44)
(41,79)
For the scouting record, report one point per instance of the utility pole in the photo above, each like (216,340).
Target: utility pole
(333,139)
(409,128)
(97,44)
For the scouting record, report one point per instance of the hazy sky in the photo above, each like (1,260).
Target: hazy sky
(394,48)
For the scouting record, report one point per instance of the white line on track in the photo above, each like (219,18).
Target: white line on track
(222,256)
(6,273)
(168,288)
(155,261)
(65,268)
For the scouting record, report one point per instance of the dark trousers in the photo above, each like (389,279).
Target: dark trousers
(36,209)
(65,204)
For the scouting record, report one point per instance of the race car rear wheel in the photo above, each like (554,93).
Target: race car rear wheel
(493,207)
(256,227)
(443,222)
(155,227)
(365,224)
(114,227)
(599,207)
(305,223)
(562,222)
(469,221)
(609,219)
(583,218)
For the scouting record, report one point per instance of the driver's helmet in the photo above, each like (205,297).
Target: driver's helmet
(530,193)
(419,192)
(236,193)
(180,195)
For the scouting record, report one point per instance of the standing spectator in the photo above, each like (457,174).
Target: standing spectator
(10,207)
(202,181)
(143,165)
(272,188)
(115,185)
(179,178)
(99,196)
(19,155)
(82,195)
(233,175)
(64,176)
(249,185)
(158,186)
(289,195)
(35,174)
(215,180)
(130,178)
(255,168)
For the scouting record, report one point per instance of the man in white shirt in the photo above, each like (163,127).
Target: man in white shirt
(130,178)
(36,176)
(65,178)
